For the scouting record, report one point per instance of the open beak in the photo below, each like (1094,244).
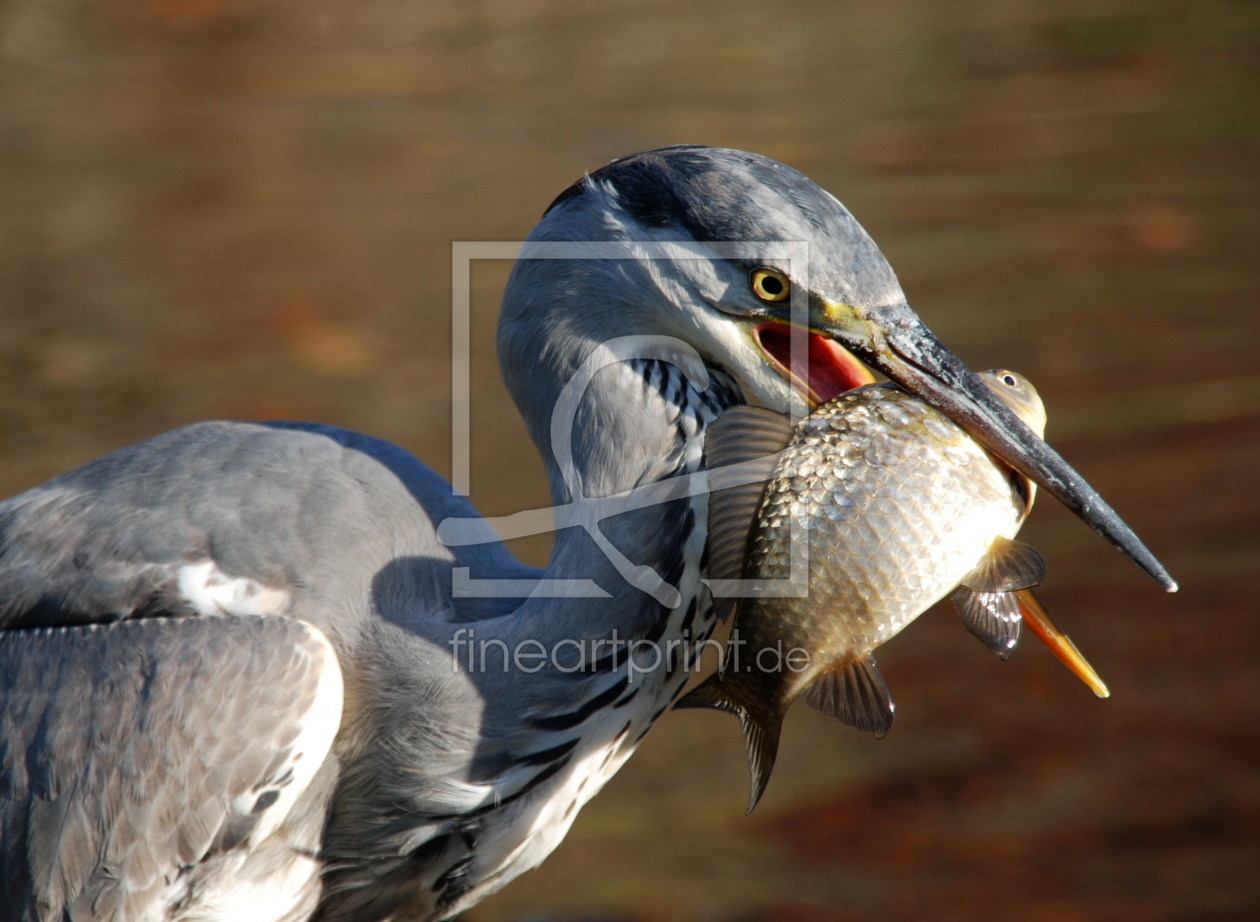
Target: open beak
(894,340)
(818,368)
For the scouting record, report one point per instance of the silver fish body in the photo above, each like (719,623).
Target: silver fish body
(878,506)
(896,504)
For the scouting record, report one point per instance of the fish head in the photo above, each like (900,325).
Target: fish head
(1017,392)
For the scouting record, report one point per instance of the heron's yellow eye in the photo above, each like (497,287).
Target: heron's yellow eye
(770,285)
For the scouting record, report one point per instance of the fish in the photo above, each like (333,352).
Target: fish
(878,506)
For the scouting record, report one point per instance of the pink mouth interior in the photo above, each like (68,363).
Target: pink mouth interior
(831,369)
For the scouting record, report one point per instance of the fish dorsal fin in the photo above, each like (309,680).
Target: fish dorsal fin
(1008,566)
(761,728)
(854,694)
(993,617)
(745,433)
(750,436)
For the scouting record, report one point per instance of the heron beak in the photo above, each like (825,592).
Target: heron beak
(894,340)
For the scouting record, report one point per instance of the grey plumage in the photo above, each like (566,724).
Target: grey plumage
(337,529)
(153,602)
(98,719)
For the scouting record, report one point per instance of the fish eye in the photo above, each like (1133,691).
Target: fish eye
(1009,379)
(770,284)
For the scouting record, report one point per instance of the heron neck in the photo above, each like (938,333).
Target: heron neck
(639,423)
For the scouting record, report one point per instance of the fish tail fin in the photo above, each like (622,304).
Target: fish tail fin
(761,728)
(855,694)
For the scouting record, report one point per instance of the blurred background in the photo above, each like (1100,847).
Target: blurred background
(223,208)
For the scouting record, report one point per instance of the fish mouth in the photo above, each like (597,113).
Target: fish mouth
(824,369)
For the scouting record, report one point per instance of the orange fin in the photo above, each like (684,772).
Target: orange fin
(854,694)
(992,617)
(760,725)
(1040,623)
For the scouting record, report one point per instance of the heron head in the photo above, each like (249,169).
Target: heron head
(767,275)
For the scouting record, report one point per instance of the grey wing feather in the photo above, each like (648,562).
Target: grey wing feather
(308,515)
(329,525)
(132,752)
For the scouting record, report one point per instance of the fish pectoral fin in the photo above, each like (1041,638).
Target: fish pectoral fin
(1009,565)
(745,433)
(854,694)
(993,617)
(761,729)
(750,436)
(1041,624)
(709,694)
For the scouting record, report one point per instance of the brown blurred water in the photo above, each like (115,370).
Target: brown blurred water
(222,208)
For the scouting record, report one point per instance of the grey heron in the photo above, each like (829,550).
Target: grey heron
(236,682)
